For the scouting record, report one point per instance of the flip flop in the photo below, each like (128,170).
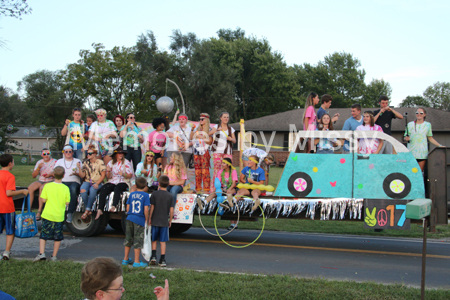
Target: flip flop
(38,216)
(85,215)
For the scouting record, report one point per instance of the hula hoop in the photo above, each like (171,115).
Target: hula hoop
(200,219)
(220,236)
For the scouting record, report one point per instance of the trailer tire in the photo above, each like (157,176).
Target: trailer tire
(178,228)
(87,227)
(116,224)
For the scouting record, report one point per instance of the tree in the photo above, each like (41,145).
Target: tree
(373,91)
(339,75)
(14,8)
(106,78)
(14,112)
(438,95)
(415,101)
(49,100)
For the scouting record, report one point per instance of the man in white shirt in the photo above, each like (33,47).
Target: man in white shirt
(179,139)
(71,178)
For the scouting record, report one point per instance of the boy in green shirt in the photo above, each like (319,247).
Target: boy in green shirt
(56,196)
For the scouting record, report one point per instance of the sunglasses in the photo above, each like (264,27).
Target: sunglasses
(149,155)
(100,115)
(417,113)
(45,154)
(67,151)
(130,117)
(90,153)
(201,119)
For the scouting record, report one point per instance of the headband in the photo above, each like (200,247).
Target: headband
(253,160)
(100,111)
(228,163)
(68,147)
(45,151)
(149,152)
(204,116)
(182,118)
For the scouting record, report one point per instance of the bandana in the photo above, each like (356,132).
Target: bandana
(204,116)
(182,118)
(149,152)
(67,147)
(253,160)
(228,163)
(100,111)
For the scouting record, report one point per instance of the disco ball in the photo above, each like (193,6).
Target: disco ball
(164,105)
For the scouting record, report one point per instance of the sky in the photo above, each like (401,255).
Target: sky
(405,42)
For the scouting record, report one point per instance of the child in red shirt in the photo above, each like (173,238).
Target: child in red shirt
(7,210)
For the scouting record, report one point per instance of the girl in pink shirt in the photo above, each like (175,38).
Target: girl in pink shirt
(365,145)
(309,116)
(228,178)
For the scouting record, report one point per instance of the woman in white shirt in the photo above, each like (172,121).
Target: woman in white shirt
(150,171)
(222,146)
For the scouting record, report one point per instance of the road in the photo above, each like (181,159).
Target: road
(356,258)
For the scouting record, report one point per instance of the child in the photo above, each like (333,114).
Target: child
(135,223)
(254,175)
(161,215)
(7,210)
(228,178)
(325,145)
(369,146)
(309,116)
(56,195)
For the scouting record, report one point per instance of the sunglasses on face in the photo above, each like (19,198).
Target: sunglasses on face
(67,151)
(100,115)
(421,112)
(90,153)
(130,117)
(46,153)
(202,119)
(149,155)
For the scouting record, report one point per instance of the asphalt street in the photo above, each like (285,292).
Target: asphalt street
(340,257)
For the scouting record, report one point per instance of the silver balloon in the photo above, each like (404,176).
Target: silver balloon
(164,105)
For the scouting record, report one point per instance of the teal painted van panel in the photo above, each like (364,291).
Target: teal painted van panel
(330,174)
(370,175)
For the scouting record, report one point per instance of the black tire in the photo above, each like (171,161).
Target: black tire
(116,224)
(87,227)
(178,228)
(403,185)
(305,179)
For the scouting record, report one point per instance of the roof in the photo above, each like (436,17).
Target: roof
(31,133)
(439,119)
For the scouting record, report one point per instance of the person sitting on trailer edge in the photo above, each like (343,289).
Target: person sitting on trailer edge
(254,175)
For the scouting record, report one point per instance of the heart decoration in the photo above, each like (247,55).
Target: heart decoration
(333,184)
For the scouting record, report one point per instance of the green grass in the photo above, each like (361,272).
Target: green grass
(61,280)
(318,226)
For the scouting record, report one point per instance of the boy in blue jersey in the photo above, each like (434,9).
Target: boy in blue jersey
(351,123)
(138,204)
(254,175)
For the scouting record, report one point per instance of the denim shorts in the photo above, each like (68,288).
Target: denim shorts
(160,233)
(7,221)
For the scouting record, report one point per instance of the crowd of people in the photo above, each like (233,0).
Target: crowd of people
(102,156)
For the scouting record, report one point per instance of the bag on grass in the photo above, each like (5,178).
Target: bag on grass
(26,222)
(147,247)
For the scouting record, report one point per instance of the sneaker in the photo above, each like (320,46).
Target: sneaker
(69,218)
(139,265)
(6,255)
(53,258)
(232,227)
(153,260)
(40,257)
(127,262)
(256,204)
(162,263)
(200,205)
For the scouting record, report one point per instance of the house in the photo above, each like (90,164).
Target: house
(278,128)
(32,139)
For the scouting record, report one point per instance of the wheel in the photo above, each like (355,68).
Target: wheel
(300,184)
(178,228)
(397,185)
(87,227)
(116,224)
